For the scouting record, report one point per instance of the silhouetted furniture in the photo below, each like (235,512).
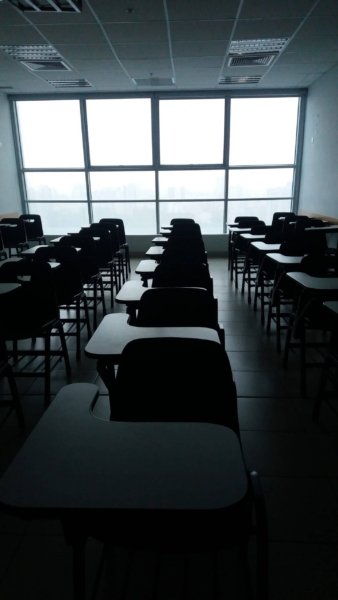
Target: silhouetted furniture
(90,272)
(310,292)
(68,288)
(33,313)
(330,367)
(278,218)
(106,258)
(3,254)
(123,244)
(6,290)
(34,230)
(172,486)
(14,236)
(178,307)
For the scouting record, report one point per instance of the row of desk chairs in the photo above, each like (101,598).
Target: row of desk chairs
(306,251)
(16,233)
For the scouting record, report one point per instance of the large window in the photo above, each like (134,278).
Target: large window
(149,159)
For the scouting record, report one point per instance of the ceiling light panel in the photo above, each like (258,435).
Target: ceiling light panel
(251,60)
(48,6)
(253,46)
(69,83)
(31,52)
(250,79)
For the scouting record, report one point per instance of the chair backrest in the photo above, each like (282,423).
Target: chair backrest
(183,232)
(183,275)
(114,232)
(194,377)
(260,228)
(121,229)
(104,248)
(319,264)
(246,218)
(189,254)
(13,236)
(178,221)
(33,225)
(88,255)
(293,247)
(1,243)
(248,224)
(36,304)
(276,218)
(67,278)
(186,226)
(273,237)
(177,307)
(185,242)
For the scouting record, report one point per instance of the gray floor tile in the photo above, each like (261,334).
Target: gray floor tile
(259,384)
(242,343)
(268,414)
(251,361)
(281,454)
(301,510)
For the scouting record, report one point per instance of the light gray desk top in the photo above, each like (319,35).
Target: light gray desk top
(31,251)
(72,460)
(315,283)
(159,240)
(130,293)
(155,251)
(250,236)
(114,333)
(285,260)
(263,247)
(332,306)
(146,267)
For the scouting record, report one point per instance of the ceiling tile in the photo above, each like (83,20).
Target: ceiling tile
(191,10)
(10,16)
(314,44)
(243,71)
(310,79)
(276,9)
(151,66)
(73,34)
(206,77)
(96,65)
(84,51)
(326,7)
(193,31)
(142,51)
(117,79)
(199,62)
(137,32)
(281,80)
(265,28)
(319,26)
(25,34)
(289,58)
(302,68)
(117,11)
(186,49)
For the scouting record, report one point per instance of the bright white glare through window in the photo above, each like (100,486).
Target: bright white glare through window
(192,185)
(263,131)
(56,186)
(263,209)
(120,132)
(260,183)
(123,185)
(50,134)
(191,131)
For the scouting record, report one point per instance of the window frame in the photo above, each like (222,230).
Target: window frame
(155,98)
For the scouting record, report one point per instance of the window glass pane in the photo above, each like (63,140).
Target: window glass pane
(50,133)
(191,131)
(260,183)
(58,218)
(209,215)
(138,217)
(125,185)
(120,132)
(263,209)
(56,186)
(263,131)
(190,185)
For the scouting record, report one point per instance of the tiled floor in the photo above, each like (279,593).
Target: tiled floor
(296,459)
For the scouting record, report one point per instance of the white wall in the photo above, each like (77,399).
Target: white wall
(9,187)
(319,180)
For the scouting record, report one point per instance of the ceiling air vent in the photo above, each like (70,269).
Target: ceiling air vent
(69,83)
(266,46)
(252,60)
(53,6)
(40,57)
(45,65)
(155,81)
(240,80)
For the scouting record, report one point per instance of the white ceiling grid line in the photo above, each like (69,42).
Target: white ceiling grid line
(169,39)
(240,6)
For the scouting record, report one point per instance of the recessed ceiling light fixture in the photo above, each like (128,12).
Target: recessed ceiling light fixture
(39,57)
(53,6)
(69,83)
(253,53)
(233,80)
